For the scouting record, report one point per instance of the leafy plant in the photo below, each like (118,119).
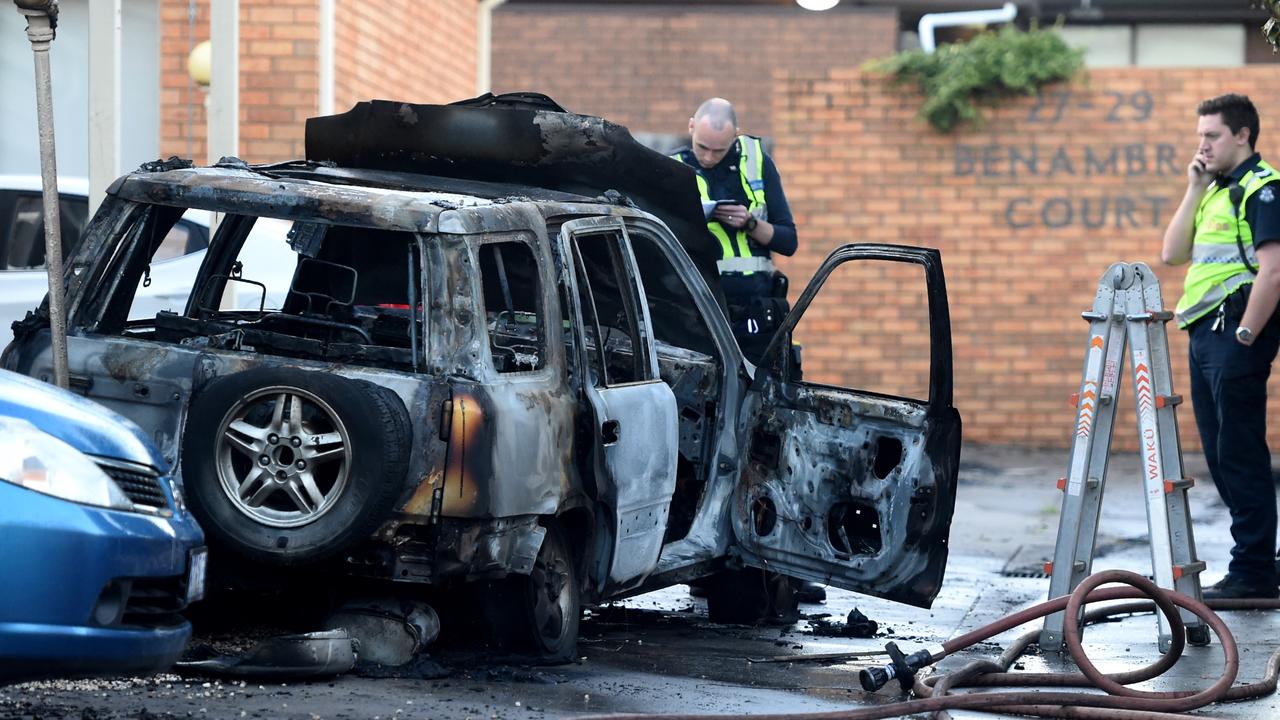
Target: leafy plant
(990,65)
(1271,30)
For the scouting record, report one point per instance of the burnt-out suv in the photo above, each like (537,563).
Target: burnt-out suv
(502,360)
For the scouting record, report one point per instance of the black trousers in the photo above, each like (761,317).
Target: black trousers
(757,307)
(1229,395)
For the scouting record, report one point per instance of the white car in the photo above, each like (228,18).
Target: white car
(24,283)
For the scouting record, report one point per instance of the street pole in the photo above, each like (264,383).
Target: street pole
(42,20)
(105,27)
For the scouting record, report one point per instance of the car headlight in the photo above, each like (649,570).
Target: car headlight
(39,461)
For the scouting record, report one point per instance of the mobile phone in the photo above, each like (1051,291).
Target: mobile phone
(722,203)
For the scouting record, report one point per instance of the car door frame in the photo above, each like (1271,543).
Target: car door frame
(815,453)
(632,464)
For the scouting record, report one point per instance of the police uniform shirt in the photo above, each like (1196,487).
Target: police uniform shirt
(724,182)
(1262,209)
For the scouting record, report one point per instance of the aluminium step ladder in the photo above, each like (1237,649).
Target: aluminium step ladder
(1127,309)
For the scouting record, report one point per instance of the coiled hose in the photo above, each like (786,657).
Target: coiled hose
(1121,702)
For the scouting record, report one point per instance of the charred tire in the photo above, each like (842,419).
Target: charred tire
(750,597)
(288,467)
(538,613)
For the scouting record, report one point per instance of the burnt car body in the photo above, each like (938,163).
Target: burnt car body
(493,365)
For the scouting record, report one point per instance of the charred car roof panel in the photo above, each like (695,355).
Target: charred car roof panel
(250,191)
(520,138)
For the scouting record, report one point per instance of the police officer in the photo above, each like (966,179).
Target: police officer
(1227,227)
(754,223)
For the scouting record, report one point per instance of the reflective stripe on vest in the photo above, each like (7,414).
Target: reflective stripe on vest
(751,171)
(1223,253)
(1216,269)
(746,265)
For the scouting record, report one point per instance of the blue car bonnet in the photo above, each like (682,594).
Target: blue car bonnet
(85,425)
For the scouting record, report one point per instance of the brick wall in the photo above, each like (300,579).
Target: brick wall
(410,50)
(399,49)
(1028,210)
(278,78)
(648,67)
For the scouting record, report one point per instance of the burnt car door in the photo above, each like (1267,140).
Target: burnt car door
(633,435)
(852,487)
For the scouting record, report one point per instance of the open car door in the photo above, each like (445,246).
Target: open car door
(849,487)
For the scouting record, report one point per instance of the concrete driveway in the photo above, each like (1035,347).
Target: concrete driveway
(658,654)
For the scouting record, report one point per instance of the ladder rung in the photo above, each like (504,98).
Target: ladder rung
(1172,485)
(1090,483)
(1163,401)
(1191,568)
(1092,315)
(1148,317)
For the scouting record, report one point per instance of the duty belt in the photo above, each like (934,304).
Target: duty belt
(744,265)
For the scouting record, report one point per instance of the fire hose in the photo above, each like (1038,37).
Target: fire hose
(1120,702)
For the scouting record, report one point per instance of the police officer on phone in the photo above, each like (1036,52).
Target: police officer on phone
(751,220)
(1227,226)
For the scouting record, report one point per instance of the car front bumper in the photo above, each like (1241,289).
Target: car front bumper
(86,591)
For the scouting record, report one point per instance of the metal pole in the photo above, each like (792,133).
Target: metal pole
(484,45)
(105,28)
(222,103)
(326,56)
(224,85)
(42,19)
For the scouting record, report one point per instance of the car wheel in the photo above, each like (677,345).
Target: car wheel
(289,467)
(539,612)
(750,597)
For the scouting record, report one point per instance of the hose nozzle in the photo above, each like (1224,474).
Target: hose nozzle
(903,668)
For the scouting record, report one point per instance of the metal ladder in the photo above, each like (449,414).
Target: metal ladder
(1128,307)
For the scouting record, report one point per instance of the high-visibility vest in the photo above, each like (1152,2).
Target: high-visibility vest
(751,170)
(1217,270)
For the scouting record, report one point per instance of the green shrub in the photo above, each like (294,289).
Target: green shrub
(1271,30)
(990,65)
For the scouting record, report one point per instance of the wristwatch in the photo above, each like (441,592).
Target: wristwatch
(752,222)
(1244,335)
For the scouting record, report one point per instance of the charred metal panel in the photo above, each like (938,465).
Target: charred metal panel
(424,491)
(511,141)
(454,296)
(510,449)
(468,462)
(822,496)
(511,440)
(249,192)
(147,382)
(488,549)
(504,217)
(639,441)
(849,487)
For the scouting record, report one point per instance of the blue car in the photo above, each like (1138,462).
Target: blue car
(98,554)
